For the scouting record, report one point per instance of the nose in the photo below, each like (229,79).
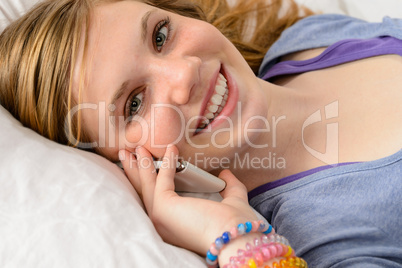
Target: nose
(178,77)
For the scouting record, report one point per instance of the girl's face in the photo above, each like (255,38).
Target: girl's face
(155,78)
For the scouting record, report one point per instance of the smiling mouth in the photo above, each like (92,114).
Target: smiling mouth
(216,104)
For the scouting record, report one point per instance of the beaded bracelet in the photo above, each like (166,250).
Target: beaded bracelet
(241,229)
(289,262)
(266,248)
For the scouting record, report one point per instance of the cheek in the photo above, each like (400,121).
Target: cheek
(167,126)
(164,125)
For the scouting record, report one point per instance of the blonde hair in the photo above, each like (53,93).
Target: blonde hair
(39,50)
(37,54)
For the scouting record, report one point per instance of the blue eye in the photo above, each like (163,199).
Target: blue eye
(134,104)
(161,34)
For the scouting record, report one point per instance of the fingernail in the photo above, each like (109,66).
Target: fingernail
(122,155)
(170,146)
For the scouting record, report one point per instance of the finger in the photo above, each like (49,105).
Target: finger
(147,174)
(129,162)
(234,188)
(165,179)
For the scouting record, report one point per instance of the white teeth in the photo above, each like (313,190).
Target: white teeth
(213,108)
(217,99)
(217,102)
(209,115)
(220,90)
(221,83)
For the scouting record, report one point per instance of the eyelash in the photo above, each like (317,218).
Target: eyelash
(130,101)
(161,24)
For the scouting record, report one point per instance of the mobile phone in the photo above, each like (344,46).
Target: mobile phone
(192,179)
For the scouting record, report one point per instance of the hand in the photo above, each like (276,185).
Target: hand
(187,222)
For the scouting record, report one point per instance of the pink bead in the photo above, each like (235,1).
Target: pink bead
(285,250)
(266,254)
(248,254)
(271,238)
(258,259)
(249,247)
(279,249)
(213,250)
(264,240)
(240,253)
(233,260)
(241,260)
(233,232)
(273,251)
(255,225)
(241,256)
(257,243)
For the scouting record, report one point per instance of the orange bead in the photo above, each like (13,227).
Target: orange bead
(291,261)
(251,263)
(289,252)
(297,262)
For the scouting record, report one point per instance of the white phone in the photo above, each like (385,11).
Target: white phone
(192,179)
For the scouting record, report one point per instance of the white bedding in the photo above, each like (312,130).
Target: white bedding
(61,207)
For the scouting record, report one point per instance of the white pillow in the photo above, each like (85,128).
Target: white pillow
(62,207)
(372,10)
(369,10)
(12,9)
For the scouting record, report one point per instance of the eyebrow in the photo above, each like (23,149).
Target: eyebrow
(116,96)
(144,23)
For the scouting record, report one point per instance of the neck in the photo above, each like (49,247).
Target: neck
(280,152)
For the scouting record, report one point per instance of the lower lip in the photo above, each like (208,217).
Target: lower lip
(231,103)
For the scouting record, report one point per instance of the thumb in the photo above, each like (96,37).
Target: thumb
(234,188)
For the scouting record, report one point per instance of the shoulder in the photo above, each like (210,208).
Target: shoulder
(324,30)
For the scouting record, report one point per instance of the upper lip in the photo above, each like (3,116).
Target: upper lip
(208,96)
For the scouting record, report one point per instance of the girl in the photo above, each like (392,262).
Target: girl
(136,80)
